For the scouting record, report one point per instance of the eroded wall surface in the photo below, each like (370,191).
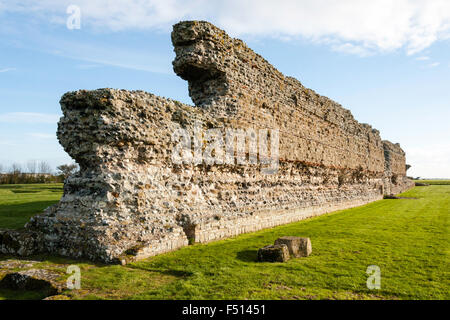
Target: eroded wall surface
(131,200)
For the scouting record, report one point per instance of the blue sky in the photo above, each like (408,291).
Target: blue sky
(386,61)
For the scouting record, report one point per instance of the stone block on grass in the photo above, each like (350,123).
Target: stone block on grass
(274,253)
(297,246)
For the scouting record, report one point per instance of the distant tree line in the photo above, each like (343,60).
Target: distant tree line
(35,172)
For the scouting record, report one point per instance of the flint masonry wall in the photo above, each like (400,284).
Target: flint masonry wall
(395,169)
(130,200)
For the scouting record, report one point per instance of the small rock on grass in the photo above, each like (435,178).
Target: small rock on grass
(298,247)
(274,253)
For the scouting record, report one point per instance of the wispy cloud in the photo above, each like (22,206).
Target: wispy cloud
(352,49)
(40,135)
(377,25)
(4,142)
(7,69)
(28,117)
(423,58)
(87,66)
(102,54)
(97,54)
(434,64)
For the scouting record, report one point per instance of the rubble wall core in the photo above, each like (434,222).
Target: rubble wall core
(130,200)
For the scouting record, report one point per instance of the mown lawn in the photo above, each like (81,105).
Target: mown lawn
(435,182)
(407,238)
(19,202)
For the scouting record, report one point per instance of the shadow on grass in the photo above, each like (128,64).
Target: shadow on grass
(41,187)
(175,273)
(182,274)
(53,259)
(247,255)
(25,191)
(14,216)
(9,294)
(60,260)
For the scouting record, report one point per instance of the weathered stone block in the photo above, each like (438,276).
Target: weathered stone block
(298,247)
(274,253)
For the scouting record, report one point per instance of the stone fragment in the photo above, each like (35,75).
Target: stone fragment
(298,247)
(33,279)
(274,253)
(16,264)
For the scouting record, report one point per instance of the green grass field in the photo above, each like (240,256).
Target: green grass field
(435,182)
(407,238)
(19,202)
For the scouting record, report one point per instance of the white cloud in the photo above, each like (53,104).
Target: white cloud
(28,117)
(434,64)
(355,26)
(423,58)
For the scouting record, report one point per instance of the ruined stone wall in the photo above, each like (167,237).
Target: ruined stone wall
(131,200)
(395,168)
(229,80)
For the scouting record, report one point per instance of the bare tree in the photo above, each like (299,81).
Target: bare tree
(15,173)
(67,169)
(1,168)
(16,168)
(44,167)
(32,166)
